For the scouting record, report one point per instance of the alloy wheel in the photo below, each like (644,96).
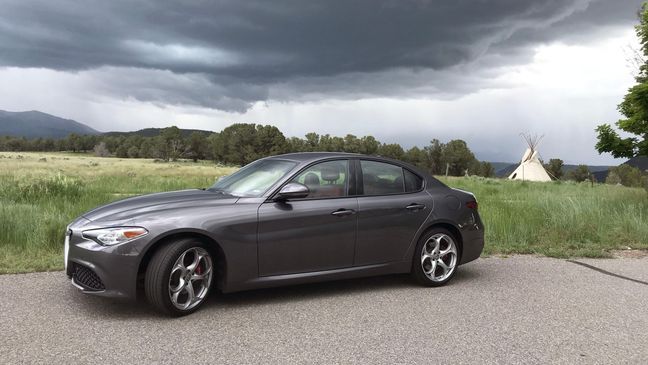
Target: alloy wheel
(190,278)
(439,257)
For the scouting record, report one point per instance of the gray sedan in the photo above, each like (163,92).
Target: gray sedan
(281,220)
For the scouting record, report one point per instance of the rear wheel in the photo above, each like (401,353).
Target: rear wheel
(179,276)
(436,258)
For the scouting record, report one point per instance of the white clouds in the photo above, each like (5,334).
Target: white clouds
(179,55)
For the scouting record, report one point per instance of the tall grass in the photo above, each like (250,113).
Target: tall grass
(41,193)
(559,219)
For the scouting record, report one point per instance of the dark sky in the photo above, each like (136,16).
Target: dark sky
(326,65)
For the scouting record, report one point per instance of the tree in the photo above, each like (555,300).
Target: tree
(133,152)
(112,142)
(369,145)
(173,138)
(325,143)
(147,148)
(434,157)
(100,150)
(122,151)
(74,142)
(634,107)
(312,141)
(415,156)
(236,144)
(352,144)
(269,141)
(579,174)
(457,154)
(197,146)
(555,168)
(161,148)
(625,175)
(392,150)
(169,145)
(336,144)
(486,169)
(87,142)
(296,144)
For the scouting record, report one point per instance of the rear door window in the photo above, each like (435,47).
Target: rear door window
(413,182)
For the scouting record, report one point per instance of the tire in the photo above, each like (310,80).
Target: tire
(441,249)
(179,276)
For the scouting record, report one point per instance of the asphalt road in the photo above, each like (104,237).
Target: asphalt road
(497,310)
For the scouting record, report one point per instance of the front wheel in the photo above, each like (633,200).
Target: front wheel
(436,258)
(179,276)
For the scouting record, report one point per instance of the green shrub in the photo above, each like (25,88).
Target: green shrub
(625,175)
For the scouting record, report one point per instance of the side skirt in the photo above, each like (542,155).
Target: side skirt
(319,276)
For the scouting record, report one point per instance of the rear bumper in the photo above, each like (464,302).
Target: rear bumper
(473,240)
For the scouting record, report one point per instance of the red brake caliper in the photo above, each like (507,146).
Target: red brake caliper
(199,269)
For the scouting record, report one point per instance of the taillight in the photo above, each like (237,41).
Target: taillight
(472,205)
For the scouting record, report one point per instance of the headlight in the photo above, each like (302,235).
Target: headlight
(113,236)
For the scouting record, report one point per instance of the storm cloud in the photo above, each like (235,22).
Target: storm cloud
(229,54)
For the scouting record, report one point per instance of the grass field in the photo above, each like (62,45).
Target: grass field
(40,193)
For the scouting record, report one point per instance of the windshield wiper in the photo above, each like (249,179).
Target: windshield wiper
(220,192)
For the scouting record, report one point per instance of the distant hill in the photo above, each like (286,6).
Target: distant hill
(154,132)
(35,124)
(506,171)
(640,162)
(592,168)
(500,165)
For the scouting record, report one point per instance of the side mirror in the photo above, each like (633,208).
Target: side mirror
(292,190)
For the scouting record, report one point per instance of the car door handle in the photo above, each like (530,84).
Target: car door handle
(415,206)
(343,212)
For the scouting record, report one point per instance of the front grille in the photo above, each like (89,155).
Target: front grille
(87,278)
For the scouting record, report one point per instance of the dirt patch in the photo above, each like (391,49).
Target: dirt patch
(630,254)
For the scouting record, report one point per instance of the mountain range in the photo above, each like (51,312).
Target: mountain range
(35,124)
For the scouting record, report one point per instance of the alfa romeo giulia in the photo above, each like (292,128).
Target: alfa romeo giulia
(281,220)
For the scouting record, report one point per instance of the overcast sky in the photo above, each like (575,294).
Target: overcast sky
(405,71)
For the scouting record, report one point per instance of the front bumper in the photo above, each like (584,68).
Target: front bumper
(108,271)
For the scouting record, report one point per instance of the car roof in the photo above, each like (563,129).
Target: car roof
(314,156)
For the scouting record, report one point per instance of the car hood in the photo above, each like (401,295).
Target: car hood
(158,204)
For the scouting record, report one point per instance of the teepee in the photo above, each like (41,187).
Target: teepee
(530,168)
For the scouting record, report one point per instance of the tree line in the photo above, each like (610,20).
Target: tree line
(242,143)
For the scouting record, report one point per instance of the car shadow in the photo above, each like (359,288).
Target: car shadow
(337,288)
(117,309)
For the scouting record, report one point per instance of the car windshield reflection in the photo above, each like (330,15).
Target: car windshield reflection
(255,179)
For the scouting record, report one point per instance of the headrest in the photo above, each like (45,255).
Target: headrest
(331,172)
(311,179)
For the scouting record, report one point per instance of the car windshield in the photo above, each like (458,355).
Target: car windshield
(253,179)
